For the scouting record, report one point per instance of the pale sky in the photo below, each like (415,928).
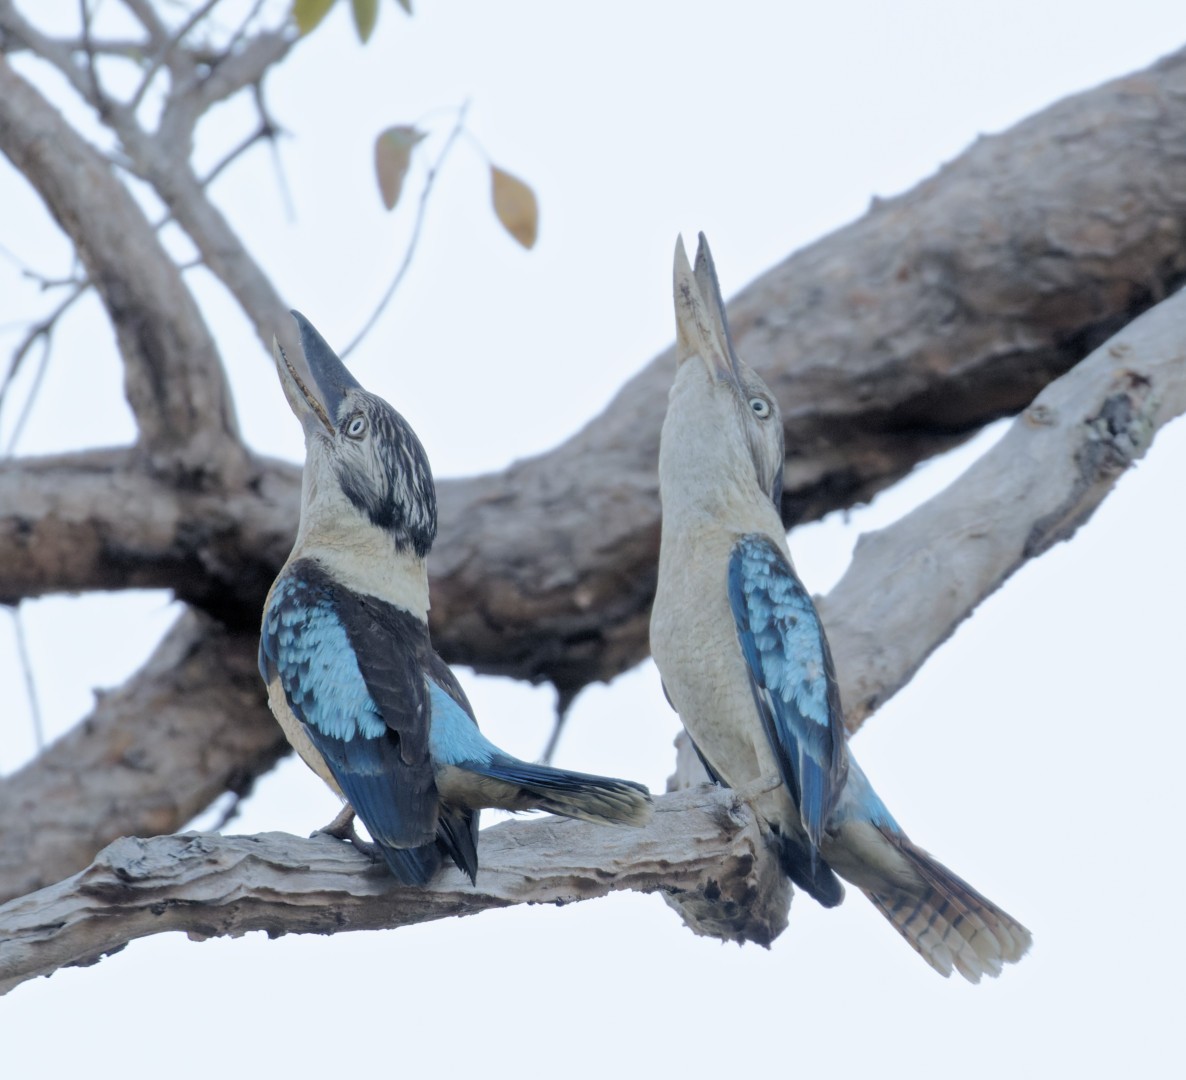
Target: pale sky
(1036,754)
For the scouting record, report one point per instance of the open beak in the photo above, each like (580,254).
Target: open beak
(315,395)
(701,326)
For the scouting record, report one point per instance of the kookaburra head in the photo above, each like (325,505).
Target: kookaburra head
(365,469)
(715,391)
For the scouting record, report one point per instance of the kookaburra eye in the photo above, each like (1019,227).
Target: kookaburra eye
(357,427)
(760,406)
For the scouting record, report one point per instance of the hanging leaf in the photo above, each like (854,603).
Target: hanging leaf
(515,205)
(393,155)
(365,14)
(406,5)
(308,13)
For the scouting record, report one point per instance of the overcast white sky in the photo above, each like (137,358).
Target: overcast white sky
(1037,753)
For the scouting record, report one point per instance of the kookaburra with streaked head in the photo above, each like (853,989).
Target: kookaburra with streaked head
(746,664)
(345,651)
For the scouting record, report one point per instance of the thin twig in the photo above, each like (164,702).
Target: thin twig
(22,650)
(38,331)
(564,700)
(241,31)
(421,211)
(166,49)
(98,97)
(264,131)
(277,161)
(31,397)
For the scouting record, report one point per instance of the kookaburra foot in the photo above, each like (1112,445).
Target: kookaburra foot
(342,827)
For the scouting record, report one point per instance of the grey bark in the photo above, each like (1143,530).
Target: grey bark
(201,729)
(208,885)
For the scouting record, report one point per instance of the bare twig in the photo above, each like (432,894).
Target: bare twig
(421,212)
(97,94)
(564,700)
(26,663)
(263,131)
(165,49)
(31,398)
(39,331)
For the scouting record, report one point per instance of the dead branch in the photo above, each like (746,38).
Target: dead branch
(208,885)
(1035,488)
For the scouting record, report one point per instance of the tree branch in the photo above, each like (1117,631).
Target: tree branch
(189,726)
(1035,488)
(100,520)
(208,885)
(886,342)
(174,378)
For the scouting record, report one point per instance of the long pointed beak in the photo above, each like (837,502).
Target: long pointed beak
(315,397)
(701,327)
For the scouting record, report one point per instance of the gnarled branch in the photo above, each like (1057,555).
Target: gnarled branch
(209,885)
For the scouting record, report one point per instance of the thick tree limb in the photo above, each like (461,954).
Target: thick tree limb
(885,343)
(209,885)
(174,377)
(100,520)
(1036,487)
(191,725)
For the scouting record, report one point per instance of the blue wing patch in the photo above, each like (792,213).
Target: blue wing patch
(791,675)
(304,641)
(355,718)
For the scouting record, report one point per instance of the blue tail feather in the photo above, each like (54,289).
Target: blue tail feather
(412,866)
(599,799)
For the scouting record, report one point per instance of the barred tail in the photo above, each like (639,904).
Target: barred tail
(599,799)
(949,923)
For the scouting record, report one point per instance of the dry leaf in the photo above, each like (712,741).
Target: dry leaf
(515,205)
(366,12)
(308,13)
(393,155)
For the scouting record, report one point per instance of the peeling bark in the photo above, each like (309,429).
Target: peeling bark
(208,885)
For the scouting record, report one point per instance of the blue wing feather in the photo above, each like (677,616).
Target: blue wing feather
(306,642)
(791,675)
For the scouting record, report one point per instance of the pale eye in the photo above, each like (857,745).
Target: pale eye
(357,427)
(760,406)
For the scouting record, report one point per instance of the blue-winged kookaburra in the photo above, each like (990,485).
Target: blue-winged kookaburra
(345,652)
(745,662)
